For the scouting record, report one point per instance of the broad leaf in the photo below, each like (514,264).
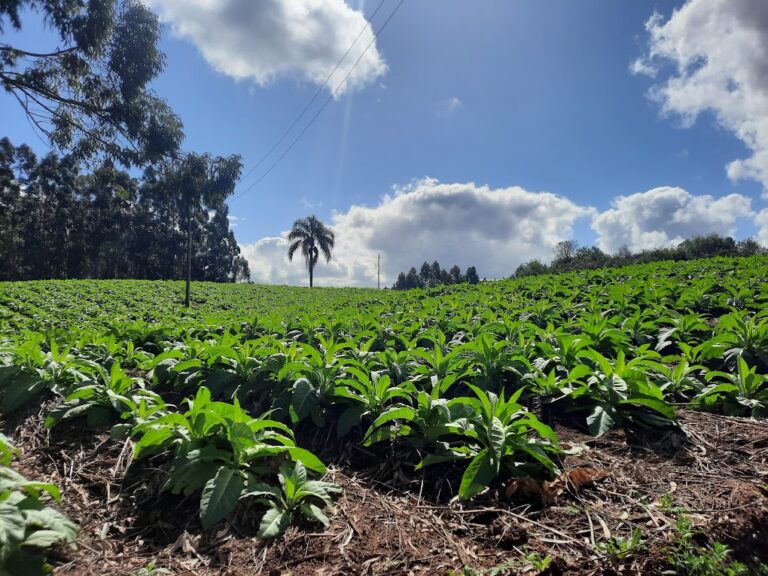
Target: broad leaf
(273,523)
(220,495)
(478,475)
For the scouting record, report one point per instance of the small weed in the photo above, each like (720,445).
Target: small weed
(620,547)
(151,569)
(688,559)
(538,562)
(668,507)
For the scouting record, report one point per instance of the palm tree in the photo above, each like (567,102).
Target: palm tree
(313,237)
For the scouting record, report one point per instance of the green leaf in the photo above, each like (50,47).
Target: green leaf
(12,480)
(478,475)
(654,404)
(307,458)
(191,469)
(273,523)
(22,562)
(304,398)
(22,389)
(154,440)
(12,528)
(220,495)
(542,429)
(261,490)
(349,419)
(601,419)
(496,439)
(314,513)
(397,413)
(52,521)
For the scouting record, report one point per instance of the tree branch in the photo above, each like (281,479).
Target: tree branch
(26,53)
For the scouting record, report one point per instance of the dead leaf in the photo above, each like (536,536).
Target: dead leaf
(547,492)
(525,487)
(579,478)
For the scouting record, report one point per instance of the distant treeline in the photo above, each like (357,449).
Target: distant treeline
(569,256)
(57,222)
(434,275)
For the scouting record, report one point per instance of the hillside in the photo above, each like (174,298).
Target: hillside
(594,422)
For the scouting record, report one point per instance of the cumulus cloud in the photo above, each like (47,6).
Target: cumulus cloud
(493,229)
(717,49)
(666,216)
(761,221)
(268,39)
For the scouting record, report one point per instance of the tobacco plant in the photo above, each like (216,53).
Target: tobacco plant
(28,523)
(296,496)
(220,449)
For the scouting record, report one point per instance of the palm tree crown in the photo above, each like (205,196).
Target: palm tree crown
(313,237)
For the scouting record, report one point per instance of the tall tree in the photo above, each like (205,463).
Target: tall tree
(472,276)
(564,251)
(89,94)
(436,273)
(412,279)
(313,237)
(199,182)
(56,222)
(455,273)
(425,275)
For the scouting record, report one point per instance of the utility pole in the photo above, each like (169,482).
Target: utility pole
(378,273)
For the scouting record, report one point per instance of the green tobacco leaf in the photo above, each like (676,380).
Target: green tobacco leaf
(191,470)
(273,523)
(314,513)
(220,495)
(542,429)
(307,458)
(55,525)
(405,413)
(304,398)
(12,529)
(654,404)
(601,419)
(21,390)
(153,440)
(12,480)
(349,419)
(21,562)
(478,475)
(496,438)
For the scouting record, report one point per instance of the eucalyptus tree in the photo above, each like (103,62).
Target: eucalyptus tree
(312,237)
(89,92)
(197,182)
(472,276)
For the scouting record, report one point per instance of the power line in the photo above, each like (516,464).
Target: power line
(314,97)
(320,110)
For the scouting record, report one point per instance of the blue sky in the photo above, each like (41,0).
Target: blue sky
(496,128)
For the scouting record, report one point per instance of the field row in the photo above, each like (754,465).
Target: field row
(227,399)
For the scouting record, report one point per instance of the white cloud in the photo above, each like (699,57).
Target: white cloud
(761,221)
(718,49)
(465,224)
(666,216)
(450,106)
(267,39)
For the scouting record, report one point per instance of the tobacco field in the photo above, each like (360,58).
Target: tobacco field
(598,422)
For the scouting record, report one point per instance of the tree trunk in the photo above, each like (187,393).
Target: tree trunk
(189,254)
(311,270)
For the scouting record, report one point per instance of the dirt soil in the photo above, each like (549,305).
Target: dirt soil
(390,520)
